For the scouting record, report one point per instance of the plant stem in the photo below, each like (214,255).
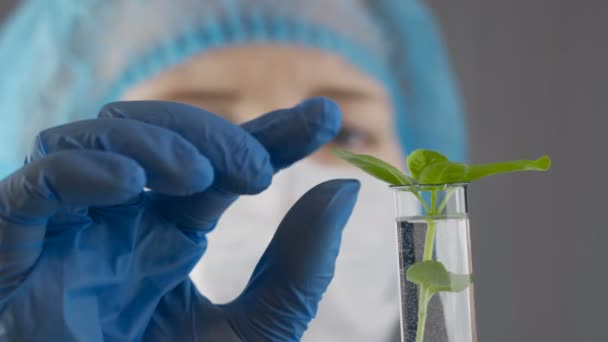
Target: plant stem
(421,200)
(422,307)
(443,203)
(433,202)
(423,299)
(429,239)
(429,242)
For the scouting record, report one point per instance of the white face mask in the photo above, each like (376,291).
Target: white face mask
(365,286)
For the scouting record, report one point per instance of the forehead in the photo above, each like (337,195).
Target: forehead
(255,64)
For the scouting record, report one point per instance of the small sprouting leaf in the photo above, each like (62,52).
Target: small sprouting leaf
(434,277)
(475,172)
(375,167)
(418,160)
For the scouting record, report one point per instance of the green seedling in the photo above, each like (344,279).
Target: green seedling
(430,171)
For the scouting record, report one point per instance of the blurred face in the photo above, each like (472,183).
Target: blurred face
(241,83)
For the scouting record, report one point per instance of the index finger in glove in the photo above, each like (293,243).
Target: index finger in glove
(34,193)
(294,133)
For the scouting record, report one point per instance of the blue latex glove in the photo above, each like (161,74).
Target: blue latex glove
(85,255)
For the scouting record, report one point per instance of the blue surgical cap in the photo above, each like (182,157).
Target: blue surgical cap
(61,60)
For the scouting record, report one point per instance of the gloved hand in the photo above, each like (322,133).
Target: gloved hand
(86,255)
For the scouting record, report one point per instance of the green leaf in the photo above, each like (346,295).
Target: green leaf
(443,173)
(419,159)
(375,167)
(448,172)
(434,277)
(475,172)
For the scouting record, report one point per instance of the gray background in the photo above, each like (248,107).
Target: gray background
(532,74)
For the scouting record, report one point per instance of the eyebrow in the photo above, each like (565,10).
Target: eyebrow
(344,94)
(335,93)
(226,95)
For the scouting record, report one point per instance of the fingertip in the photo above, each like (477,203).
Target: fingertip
(263,173)
(202,175)
(260,182)
(185,170)
(342,202)
(113,110)
(340,189)
(190,173)
(292,134)
(121,177)
(324,115)
(347,184)
(131,176)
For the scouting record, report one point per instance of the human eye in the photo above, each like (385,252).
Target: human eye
(354,138)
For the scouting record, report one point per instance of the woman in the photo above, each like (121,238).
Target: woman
(381,61)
